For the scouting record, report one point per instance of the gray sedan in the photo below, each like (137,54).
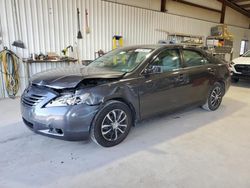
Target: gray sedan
(104,99)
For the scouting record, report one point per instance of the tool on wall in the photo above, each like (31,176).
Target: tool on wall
(65,50)
(87,21)
(10,72)
(117,41)
(17,43)
(79,34)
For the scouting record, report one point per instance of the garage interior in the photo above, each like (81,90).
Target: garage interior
(188,148)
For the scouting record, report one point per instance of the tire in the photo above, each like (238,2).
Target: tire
(214,98)
(112,124)
(235,80)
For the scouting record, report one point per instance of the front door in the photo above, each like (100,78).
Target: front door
(164,86)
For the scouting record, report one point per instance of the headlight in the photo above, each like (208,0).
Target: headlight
(69,100)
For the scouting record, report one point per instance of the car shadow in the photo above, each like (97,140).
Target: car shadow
(242,83)
(42,158)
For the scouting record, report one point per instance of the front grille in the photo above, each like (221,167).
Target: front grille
(32,100)
(244,69)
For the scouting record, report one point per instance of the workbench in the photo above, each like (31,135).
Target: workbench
(29,61)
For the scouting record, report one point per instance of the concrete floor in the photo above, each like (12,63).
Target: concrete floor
(192,149)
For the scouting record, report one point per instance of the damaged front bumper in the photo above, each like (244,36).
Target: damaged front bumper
(66,122)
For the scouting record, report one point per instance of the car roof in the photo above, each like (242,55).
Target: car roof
(153,46)
(161,46)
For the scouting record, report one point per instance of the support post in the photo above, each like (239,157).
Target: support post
(163,5)
(223,10)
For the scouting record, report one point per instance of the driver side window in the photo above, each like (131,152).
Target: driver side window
(168,60)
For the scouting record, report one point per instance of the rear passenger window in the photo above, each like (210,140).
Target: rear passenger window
(193,58)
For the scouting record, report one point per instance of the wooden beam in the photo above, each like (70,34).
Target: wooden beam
(196,5)
(223,10)
(163,5)
(245,6)
(239,1)
(236,7)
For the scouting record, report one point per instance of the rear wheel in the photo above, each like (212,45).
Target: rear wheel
(214,97)
(112,124)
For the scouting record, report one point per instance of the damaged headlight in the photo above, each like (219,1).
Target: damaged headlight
(70,99)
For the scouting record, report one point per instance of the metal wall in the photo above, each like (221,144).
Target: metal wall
(51,25)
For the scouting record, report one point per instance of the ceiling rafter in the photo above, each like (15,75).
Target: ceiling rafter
(232,4)
(245,6)
(239,1)
(196,5)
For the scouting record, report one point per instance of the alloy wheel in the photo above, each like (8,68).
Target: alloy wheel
(216,96)
(114,124)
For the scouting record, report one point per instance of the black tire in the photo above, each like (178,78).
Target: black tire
(214,98)
(235,80)
(106,130)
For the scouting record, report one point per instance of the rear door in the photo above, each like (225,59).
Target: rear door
(200,73)
(164,88)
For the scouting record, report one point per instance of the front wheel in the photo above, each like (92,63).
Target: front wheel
(111,124)
(214,98)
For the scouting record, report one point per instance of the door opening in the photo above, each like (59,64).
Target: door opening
(243,46)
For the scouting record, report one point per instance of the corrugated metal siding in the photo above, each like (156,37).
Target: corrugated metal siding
(51,25)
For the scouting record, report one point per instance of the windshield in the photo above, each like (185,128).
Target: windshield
(247,54)
(122,60)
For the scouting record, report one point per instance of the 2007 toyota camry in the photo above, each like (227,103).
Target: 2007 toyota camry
(105,98)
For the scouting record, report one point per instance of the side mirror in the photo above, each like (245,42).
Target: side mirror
(151,69)
(148,70)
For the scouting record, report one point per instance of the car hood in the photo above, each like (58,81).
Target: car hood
(242,60)
(70,77)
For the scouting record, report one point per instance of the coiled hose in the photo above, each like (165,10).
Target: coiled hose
(9,70)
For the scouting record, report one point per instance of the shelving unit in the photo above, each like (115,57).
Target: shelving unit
(220,44)
(183,38)
(186,39)
(220,47)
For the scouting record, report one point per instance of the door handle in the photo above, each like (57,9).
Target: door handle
(181,77)
(210,70)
